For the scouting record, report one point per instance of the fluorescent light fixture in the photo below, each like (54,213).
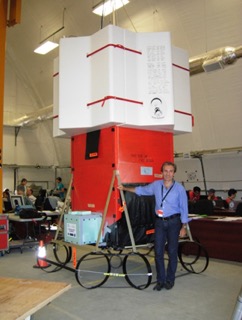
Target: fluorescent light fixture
(46,47)
(107,7)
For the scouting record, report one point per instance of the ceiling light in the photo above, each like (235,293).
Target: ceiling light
(104,8)
(46,47)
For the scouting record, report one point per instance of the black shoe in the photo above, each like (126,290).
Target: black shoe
(158,286)
(169,285)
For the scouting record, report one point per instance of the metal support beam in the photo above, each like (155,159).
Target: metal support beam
(14,13)
(3,25)
(203,172)
(17,129)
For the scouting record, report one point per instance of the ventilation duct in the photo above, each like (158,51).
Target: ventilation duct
(214,60)
(30,119)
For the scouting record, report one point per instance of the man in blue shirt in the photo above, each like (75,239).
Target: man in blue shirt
(171,208)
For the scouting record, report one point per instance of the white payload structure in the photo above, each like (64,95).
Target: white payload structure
(117,77)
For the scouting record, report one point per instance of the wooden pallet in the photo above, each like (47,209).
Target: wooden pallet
(20,298)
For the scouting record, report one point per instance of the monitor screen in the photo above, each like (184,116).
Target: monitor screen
(17,200)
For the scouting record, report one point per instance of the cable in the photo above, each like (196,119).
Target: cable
(129,18)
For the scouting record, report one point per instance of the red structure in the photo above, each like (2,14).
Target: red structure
(137,154)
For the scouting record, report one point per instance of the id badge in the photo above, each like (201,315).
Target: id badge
(159,213)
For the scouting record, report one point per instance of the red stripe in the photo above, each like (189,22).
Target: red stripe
(57,116)
(119,46)
(55,74)
(186,114)
(180,67)
(113,97)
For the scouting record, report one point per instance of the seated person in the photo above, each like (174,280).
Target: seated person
(231,196)
(6,195)
(194,195)
(30,196)
(27,201)
(211,195)
(7,206)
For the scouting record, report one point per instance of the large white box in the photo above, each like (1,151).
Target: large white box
(145,83)
(82,229)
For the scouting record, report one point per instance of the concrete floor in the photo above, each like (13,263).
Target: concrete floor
(210,295)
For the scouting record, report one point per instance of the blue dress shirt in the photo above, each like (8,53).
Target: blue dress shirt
(174,202)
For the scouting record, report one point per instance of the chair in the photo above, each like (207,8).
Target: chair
(203,207)
(40,199)
(239,209)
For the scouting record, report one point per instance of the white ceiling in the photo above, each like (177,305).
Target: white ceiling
(195,25)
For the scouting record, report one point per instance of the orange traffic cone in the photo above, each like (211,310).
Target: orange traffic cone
(41,263)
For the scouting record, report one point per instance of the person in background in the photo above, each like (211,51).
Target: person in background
(231,196)
(22,186)
(171,208)
(211,195)
(27,201)
(7,206)
(30,196)
(6,195)
(194,195)
(60,189)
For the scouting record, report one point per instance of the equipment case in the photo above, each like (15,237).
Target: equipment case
(82,228)
(4,230)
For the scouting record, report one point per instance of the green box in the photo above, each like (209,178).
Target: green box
(82,229)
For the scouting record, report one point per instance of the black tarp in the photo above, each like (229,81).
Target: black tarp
(141,210)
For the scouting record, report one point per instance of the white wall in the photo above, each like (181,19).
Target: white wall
(32,146)
(222,172)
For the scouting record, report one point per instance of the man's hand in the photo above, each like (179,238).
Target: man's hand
(183,231)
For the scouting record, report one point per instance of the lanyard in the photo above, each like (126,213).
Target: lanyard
(163,198)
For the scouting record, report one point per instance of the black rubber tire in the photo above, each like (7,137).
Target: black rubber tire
(193,256)
(134,261)
(93,270)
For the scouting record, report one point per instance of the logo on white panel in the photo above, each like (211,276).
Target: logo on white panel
(157,108)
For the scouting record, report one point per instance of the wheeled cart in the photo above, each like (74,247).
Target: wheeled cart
(99,261)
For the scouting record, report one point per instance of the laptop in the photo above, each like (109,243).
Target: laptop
(220,203)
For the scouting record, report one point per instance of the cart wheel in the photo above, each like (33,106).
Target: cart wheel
(62,253)
(93,270)
(193,256)
(137,270)
(54,252)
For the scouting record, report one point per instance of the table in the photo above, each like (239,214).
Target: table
(221,236)
(20,298)
(224,212)
(24,235)
(50,216)
(16,218)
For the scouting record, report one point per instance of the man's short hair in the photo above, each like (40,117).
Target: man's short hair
(196,189)
(168,163)
(231,192)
